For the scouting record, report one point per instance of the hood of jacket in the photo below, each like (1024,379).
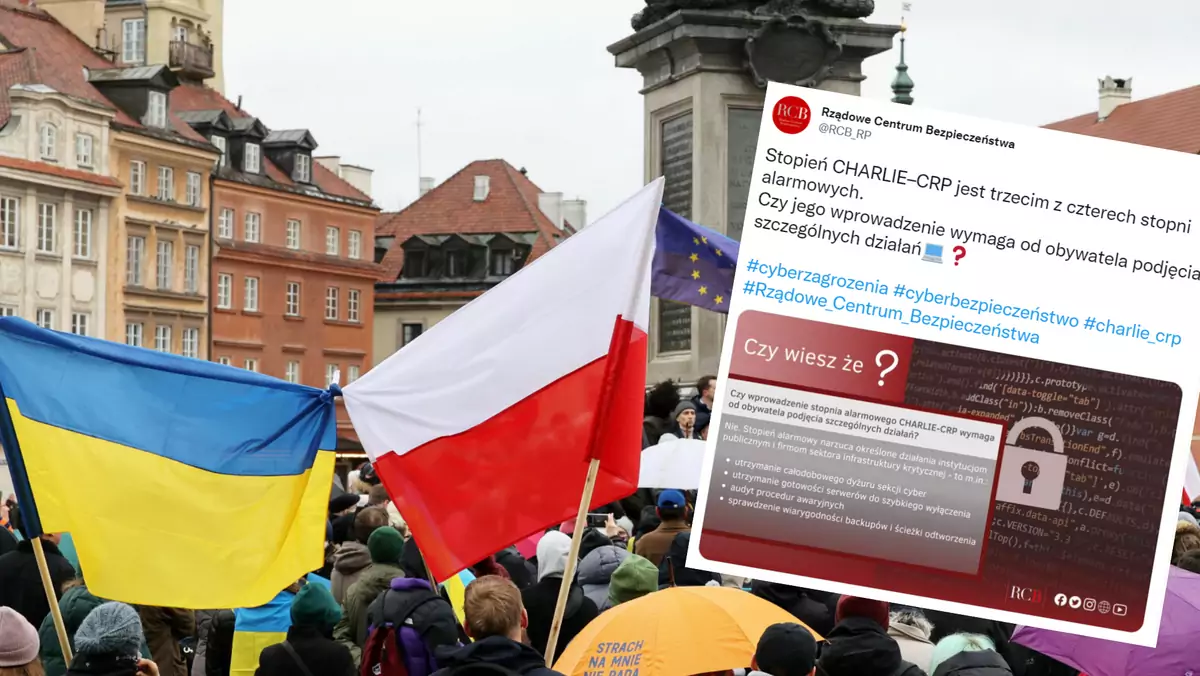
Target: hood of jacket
(675,563)
(802,603)
(498,650)
(977,663)
(598,566)
(552,552)
(351,558)
(858,646)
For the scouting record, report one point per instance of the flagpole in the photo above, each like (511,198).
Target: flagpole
(60,627)
(618,351)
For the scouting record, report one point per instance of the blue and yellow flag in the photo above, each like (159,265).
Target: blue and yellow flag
(183,483)
(261,627)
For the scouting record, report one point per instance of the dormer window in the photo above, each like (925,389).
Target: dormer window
(456,263)
(156,111)
(48,142)
(252,162)
(303,172)
(482,183)
(219,143)
(502,263)
(414,264)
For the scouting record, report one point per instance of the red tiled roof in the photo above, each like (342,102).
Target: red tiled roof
(1167,121)
(511,206)
(191,96)
(55,170)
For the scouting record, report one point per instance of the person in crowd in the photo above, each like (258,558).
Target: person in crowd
(75,605)
(340,507)
(352,558)
(8,541)
(1187,538)
(107,644)
(521,572)
(209,641)
(489,566)
(648,520)
(18,645)
(706,390)
(859,645)
(309,648)
(672,511)
(1190,561)
(1185,515)
(164,629)
(800,603)
(673,571)
(967,655)
(1000,634)
(911,630)
(376,498)
(702,428)
(21,582)
(496,621)
(684,425)
(785,649)
(385,546)
(633,579)
(418,619)
(540,599)
(661,401)
(596,571)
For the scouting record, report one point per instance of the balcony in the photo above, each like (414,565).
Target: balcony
(192,61)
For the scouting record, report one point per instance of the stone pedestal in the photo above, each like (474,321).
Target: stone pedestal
(704,77)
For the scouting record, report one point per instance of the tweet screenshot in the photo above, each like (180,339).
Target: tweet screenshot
(958,371)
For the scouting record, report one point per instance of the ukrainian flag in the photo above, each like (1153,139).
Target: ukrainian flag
(261,627)
(184,483)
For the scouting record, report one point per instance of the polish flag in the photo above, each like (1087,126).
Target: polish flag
(1191,481)
(483,428)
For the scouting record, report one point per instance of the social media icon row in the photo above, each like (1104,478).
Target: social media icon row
(1090,605)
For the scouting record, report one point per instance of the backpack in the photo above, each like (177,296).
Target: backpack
(394,645)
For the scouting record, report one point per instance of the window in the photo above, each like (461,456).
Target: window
(352,299)
(293,372)
(224,291)
(225,224)
(224,361)
(193,189)
(331,303)
(481,187)
(137,177)
(156,112)
(80,323)
(354,244)
(83,233)
(292,308)
(133,334)
(414,264)
(252,365)
(8,311)
(250,300)
(191,269)
(332,240)
(502,263)
(135,253)
(49,142)
(456,263)
(351,373)
(219,143)
(251,161)
(45,318)
(191,343)
(409,333)
(162,338)
(84,144)
(46,233)
(166,256)
(10,222)
(331,374)
(253,221)
(133,33)
(166,184)
(303,173)
(179,33)
(293,234)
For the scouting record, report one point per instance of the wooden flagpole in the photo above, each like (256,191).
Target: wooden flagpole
(60,627)
(564,589)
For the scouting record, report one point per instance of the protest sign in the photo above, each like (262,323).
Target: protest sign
(956,373)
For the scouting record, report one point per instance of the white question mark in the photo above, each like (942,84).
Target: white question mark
(890,368)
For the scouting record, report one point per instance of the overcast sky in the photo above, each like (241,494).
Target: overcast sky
(531,81)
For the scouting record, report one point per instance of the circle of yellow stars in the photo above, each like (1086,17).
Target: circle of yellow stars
(703,290)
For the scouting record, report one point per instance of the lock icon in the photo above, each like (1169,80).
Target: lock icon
(1033,478)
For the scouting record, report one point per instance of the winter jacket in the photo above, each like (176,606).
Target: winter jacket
(8,541)
(320,653)
(102,665)
(350,560)
(799,603)
(655,544)
(218,642)
(435,621)
(595,571)
(858,646)
(74,605)
(164,628)
(541,599)
(521,572)
(21,583)
(673,571)
(498,650)
(945,624)
(351,630)
(915,645)
(978,663)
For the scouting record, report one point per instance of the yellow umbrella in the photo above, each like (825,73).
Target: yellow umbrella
(674,632)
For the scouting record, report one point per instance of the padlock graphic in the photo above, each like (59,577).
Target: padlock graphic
(1033,478)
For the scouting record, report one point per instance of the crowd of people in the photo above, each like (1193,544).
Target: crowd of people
(376,611)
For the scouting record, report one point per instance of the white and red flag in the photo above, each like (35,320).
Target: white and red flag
(483,428)
(1191,480)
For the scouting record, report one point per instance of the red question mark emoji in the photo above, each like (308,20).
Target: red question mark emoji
(959,253)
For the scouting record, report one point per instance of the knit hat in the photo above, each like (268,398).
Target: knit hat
(634,578)
(386,545)
(786,648)
(111,629)
(314,606)
(18,639)
(683,406)
(856,606)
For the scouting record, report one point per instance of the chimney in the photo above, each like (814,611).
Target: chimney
(1113,93)
(359,177)
(575,213)
(482,187)
(331,162)
(427,184)
(551,204)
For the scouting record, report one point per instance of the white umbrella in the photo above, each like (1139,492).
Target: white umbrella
(672,463)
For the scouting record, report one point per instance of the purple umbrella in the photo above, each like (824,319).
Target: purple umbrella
(1176,655)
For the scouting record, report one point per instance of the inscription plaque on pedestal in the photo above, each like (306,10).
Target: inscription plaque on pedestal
(675,319)
(743,140)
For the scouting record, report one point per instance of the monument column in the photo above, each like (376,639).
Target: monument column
(705,65)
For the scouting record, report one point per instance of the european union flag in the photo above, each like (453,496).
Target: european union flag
(692,264)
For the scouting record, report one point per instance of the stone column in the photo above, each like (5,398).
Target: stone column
(704,75)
